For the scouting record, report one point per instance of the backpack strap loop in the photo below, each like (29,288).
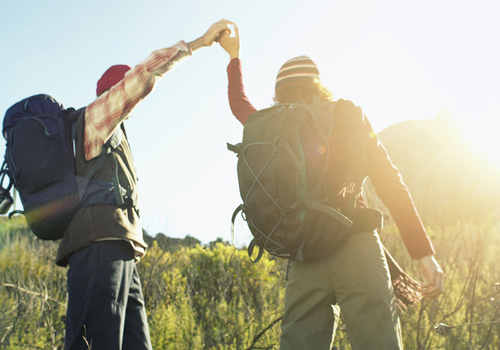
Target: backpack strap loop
(240,207)
(3,173)
(15,212)
(250,250)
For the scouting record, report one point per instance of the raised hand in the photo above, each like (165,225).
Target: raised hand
(230,41)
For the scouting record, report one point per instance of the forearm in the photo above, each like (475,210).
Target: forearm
(196,44)
(238,101)
(393,192)
(408,222)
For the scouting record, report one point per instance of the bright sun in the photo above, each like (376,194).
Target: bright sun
(484,134)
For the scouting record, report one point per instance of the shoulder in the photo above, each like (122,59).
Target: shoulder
(346,110)
(347,105)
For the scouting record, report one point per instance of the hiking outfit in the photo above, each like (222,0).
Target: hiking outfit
(103,243)
(356,278)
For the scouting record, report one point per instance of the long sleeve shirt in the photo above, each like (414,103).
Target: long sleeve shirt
(104,115)
(385,177)
(102,118)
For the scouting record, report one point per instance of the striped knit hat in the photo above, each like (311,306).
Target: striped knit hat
(296,69)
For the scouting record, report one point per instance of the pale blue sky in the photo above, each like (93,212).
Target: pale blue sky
(398,60)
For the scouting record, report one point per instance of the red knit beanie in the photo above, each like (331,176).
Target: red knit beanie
(110,77)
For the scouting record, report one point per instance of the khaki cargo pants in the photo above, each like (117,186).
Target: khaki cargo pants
(356,279)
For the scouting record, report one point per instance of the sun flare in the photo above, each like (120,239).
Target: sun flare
(484,134)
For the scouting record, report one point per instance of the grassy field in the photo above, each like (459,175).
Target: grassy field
(214,298)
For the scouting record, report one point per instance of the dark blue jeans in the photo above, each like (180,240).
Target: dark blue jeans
(105,306)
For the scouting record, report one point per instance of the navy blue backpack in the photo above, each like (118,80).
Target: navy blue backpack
(40,163)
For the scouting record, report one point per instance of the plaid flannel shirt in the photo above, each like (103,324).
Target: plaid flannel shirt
(104,115)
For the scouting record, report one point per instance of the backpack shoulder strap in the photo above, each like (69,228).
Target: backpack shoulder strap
(325,117)
(74,117)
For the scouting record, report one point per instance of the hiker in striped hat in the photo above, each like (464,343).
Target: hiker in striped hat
(356,278)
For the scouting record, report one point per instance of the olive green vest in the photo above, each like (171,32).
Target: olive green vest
(100,222)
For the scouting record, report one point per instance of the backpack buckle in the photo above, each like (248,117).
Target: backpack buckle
(289,211)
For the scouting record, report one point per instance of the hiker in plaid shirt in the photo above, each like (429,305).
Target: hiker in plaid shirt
(103,242)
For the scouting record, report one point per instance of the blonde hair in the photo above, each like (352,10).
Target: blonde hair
(303,90)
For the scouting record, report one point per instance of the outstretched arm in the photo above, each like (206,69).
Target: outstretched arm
(390,187)
(238,101)
(393,192)
(104,115)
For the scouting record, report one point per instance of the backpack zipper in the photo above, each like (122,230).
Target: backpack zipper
(45,128)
